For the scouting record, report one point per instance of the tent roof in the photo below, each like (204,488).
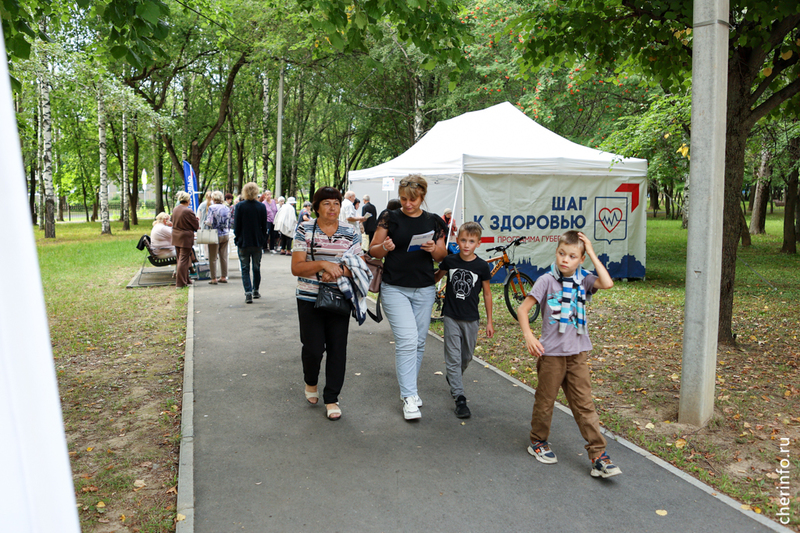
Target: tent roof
(500,140)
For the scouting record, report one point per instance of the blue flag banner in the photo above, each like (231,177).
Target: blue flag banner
(190,184)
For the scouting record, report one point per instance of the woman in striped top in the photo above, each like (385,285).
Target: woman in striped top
(322,331)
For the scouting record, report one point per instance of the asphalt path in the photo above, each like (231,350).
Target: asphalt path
(255,456)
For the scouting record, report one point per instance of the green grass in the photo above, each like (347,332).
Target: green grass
(118,356)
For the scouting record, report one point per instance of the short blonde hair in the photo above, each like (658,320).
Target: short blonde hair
(160,218)
(183,197)
(250,191)
(413,186)
(217,197)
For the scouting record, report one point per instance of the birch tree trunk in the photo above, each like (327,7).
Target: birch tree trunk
(123,204)
(105,222)
(47,159)
(158,179)
(265,138)
(40,157)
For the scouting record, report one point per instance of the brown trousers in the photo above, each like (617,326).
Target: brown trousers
(182,268)
(571,373)
(220,250)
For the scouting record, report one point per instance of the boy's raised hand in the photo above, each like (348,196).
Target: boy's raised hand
(587,244)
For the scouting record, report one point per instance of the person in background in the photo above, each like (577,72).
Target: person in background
(275,235)
(219,218)
(285,223)
(348,213)
(370,218)
(161,237)
(184,226)
(305,213)
(202,212)
(410,240)
(272,210)
(452,245)
(250,231)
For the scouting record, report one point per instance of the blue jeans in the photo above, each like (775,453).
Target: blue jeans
(409,313)
(246,255)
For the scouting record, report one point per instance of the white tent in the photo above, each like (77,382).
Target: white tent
(516,178)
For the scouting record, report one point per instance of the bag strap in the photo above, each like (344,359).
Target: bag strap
(377,317)
(313,235)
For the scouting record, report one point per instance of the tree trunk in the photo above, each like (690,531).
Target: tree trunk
(47,149)
(312,173)
(790,207)
(105,221)
(85,204)
(123,204)
(265,137)
(158,179)
(758,218)
(62,206)
(229,153)
(653,190)
(240,164)
(133,191)
(419,102)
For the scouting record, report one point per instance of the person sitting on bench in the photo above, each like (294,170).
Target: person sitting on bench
(161,237)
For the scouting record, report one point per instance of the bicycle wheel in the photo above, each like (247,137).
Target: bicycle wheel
(438,307)
(515,294)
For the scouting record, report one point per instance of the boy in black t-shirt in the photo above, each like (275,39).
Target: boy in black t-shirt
(466,274)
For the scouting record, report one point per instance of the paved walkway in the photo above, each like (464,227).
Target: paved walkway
(256,457)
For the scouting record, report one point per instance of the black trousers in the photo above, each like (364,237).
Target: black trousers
(323,332)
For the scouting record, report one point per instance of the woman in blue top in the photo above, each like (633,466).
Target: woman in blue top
(410,240)
(219,218)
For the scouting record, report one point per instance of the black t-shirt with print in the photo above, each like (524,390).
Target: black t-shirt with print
(464,282)
(401,267)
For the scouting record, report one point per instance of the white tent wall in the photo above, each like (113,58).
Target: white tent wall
(610,211)
(37,494)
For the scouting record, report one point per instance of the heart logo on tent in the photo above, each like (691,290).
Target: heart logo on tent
(610,218)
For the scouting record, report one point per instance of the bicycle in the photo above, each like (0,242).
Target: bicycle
(516,286)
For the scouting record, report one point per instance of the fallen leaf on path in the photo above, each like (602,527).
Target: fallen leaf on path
(680,443)
(649,425)
(139,483)
(661,512)
(92,488)
(180,517)
(100,505)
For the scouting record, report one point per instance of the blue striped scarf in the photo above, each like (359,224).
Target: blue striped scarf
(570,287)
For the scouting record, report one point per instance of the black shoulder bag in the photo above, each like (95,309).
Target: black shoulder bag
(329,298)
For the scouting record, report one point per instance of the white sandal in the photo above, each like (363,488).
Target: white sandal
(311,394)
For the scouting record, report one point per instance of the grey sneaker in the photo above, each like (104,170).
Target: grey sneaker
(603,467)
(256,295)
(248,297)
(541,450)
(410,409)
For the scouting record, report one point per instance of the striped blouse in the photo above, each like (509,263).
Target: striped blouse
(345,238)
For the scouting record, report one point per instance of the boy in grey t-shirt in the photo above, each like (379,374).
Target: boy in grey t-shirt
(564,348)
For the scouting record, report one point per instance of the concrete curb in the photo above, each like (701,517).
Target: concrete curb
(185,504)
(774,526)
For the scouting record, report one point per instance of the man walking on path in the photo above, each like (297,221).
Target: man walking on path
(250,228)
(371,221)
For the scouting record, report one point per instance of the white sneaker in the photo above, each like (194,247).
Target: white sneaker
(410,409)
(417,399)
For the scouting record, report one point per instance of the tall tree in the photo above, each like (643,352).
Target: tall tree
(656,39)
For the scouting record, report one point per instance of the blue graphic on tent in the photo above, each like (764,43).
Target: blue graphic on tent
(610,218)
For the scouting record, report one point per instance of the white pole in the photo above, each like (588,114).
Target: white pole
(707,180)
(37,493)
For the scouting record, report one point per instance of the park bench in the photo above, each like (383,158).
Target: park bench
(144,243)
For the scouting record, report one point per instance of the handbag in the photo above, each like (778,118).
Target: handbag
(329,298)
(375,266)
(207,236)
